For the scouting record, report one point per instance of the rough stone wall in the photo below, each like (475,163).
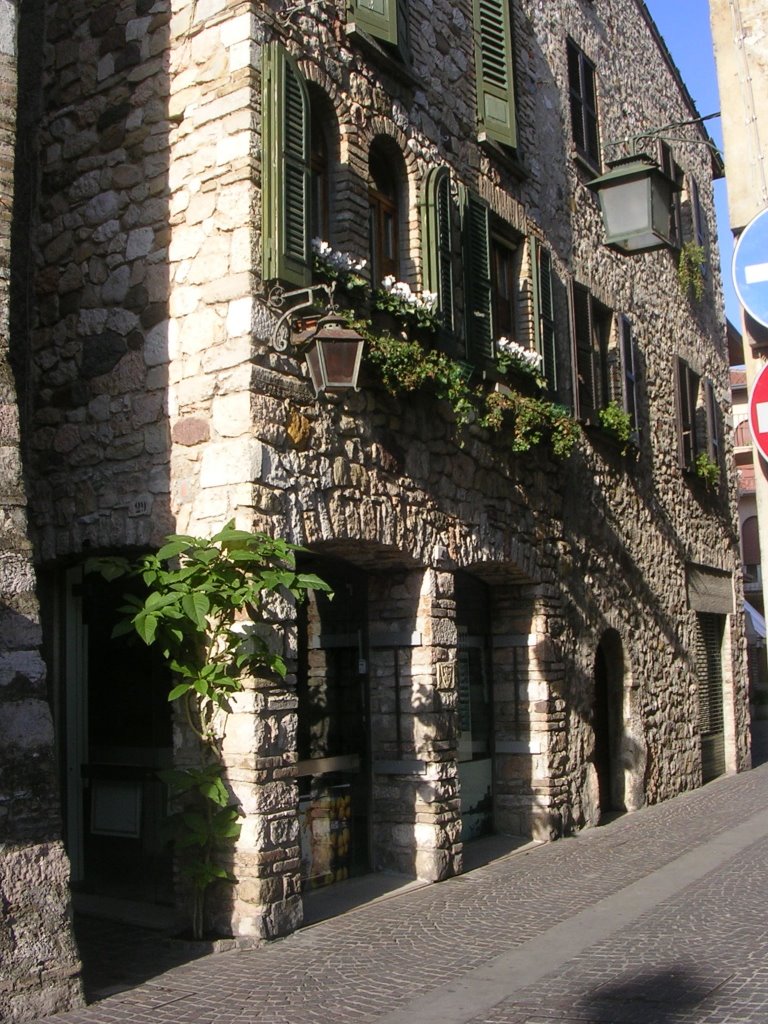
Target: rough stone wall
(160,404)
(40,965)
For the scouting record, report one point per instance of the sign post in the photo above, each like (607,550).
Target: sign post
(750,268)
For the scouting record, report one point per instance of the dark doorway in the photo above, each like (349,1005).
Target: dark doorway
(114,733)
(333,743)
(475,754)
(608,724)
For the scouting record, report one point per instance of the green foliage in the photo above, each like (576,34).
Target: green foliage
(531,421)
(707,469)
(206,609)
(690,269)
(618,423)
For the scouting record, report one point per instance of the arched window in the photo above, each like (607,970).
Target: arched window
(750,542)
(384,201)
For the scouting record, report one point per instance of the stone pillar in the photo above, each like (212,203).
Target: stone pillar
(416,812)
(40,966)
(529,718)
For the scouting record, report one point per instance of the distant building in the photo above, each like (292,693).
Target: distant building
(523,638)
(739,31)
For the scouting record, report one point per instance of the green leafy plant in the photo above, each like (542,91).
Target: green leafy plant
(707,470)
(617,422)
(406,366)
(531,421)
(690,268)
(207,608)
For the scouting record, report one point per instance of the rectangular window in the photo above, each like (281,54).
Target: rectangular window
(698,224)
(591,336)
(583,102)
(628,359)
(504,283)
(698,418)
(494,72)
(670,168)
(544,330)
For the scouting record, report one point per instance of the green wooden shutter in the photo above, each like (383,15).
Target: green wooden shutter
(477,264)
(438,248)
(544,312)
(285,169)
(583,338)
(386,20)
(493,72)
(628,368)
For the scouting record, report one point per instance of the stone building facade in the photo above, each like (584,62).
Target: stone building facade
(519,642)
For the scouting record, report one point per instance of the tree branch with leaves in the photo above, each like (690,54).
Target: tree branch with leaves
(207,608)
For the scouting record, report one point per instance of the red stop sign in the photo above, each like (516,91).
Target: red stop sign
(758,412)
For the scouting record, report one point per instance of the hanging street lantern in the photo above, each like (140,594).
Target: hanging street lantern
(333,351)
(636,203)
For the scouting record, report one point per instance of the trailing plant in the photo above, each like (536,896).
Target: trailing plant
(533,420)
(510,355)
(617,422)
(406,366)
(690,268)
(707,469)
(206,608)
(414,309)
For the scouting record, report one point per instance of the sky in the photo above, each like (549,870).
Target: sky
(684,24)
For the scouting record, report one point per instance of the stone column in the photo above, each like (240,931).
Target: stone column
(416,813)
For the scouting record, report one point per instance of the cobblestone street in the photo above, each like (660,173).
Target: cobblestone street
(659,916)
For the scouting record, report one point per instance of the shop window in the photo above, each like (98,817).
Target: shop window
(583,102)
(592,323)
(709,666)
(494,72)
(385,20)
(698,417)
(384,211)
(286,187)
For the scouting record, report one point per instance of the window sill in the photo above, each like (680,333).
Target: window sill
(584,163)
(506,158)
(382,56)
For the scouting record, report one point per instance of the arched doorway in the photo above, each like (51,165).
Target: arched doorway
(608,724)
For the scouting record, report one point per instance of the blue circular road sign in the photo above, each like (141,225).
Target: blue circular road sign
(750,268)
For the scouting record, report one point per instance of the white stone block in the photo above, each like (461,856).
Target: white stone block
(237,30)
(232,147)
(231,462)
(239,317)
(232,415)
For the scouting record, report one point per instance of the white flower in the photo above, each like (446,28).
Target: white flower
(513,350)
(335,258)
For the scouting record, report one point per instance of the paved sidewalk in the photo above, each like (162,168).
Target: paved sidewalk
(657,917)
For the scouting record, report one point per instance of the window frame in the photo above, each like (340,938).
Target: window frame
(672,170)
(382,205)
(585,118)
(591,328)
